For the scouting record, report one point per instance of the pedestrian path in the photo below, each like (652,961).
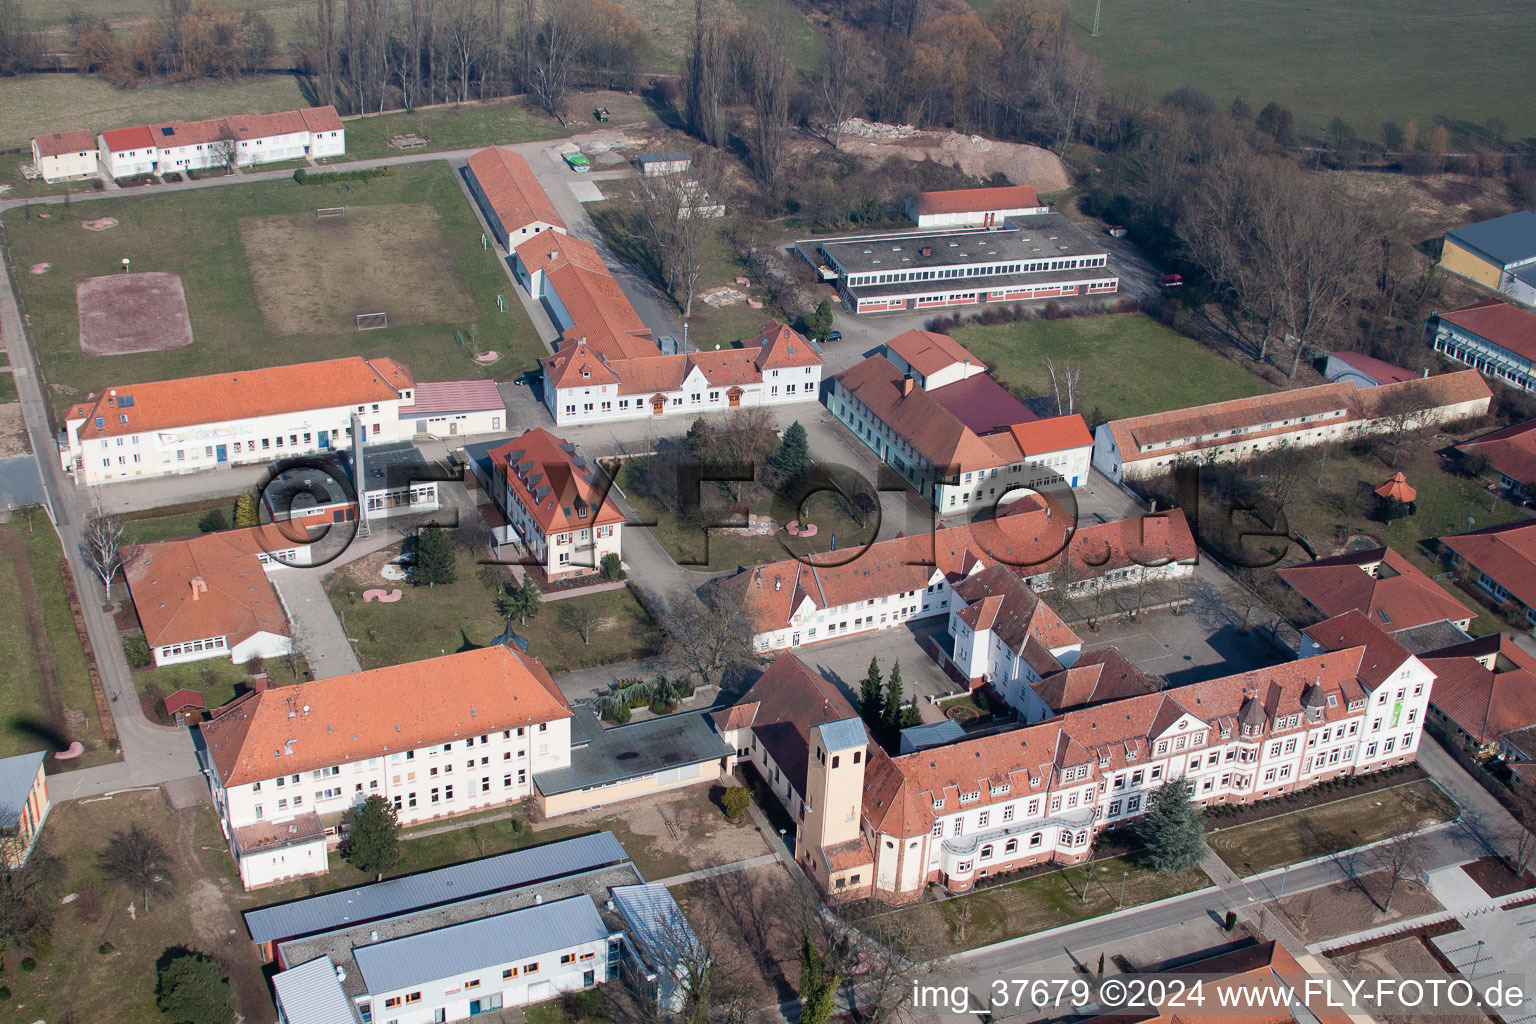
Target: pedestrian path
(717,870)
(1496,947)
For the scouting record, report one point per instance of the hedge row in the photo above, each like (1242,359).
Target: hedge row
(304,177)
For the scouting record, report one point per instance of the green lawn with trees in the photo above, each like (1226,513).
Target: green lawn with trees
(1132,365)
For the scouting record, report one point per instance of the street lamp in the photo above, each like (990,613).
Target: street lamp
(1285,873)
(1123,876)
(1475,959)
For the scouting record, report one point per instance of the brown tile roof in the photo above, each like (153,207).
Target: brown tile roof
(1503,323)
(779,347)
(577,366)
(1158,538)
(936,433)
(1511,451)
(266,835)
(245,394)
(600,311)
(553,483)
(1176,429)
(776,347)
(1506,553)
(1381,654)
(852,854)
(512,189)
(59,143)
(380,711)
(1095,677)
(998,600)
(928,352)
(207,586)
(781,708)
(1485,703)
(977,200)
(1431,392)
(1380,584)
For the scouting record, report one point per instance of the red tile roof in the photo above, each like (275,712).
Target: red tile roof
(782,347)
(1155,539)
(600,311)
(1502,323)
(777,347)
(1056,434)
(928,352)
(982,404)
(1506,553)
(781,708)
(207,586)
(322,119)
(1511,451)
(998,600)
(553,483)
(576,365)
(246,394)
(1094,678)
(380,711)
(1381,654)
(1485,703)
(1378,370)
(512,189)
(977,200)
(1380,584)
(433,397)
(59,143)
(932,430)
(120,140)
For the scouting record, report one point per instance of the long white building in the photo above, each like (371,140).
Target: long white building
(435,738)
(242,139)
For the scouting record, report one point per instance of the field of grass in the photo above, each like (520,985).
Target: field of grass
(198,236)
(44,688)
(945,927)
(30,104)
(477,124)
(431,621)
(1366,62)
(1132,365)
(1261,846)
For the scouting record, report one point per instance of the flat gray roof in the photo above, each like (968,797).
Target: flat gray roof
(601,756)
(1042,236)
(656,923)
(990,283)
(20,484)
(1503,240)
(535,864)
(341,945)
(475,945)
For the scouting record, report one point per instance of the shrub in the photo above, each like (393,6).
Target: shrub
(735,801)
(612,568)
(213,521)
(136,650)
(621,713)
(303,177)
(105,949)
(28,964)
(5,992)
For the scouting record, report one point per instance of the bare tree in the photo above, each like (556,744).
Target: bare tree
(704,77)
(1066,386)
(139,860)
(1522,849)
(706,634)
(1402,857)
(102,545)
(466,28)
(580,618)
(226,150)
(560,37)
(1282,469)
(835,82)
(768,83)
(1396,416)
(671,214)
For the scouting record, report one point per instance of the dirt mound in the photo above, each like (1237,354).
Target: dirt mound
(971,154)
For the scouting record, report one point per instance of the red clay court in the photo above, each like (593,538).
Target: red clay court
(124,313)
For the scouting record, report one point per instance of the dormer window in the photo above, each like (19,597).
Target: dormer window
(581,512)
(586,373)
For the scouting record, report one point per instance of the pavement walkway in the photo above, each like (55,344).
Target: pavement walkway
(718,870)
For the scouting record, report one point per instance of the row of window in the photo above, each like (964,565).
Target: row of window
(212,644)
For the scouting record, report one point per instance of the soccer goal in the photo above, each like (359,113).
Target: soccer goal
(331,211)
(371,321)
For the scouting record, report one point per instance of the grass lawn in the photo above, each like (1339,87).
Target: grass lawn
(1132,365)
(44,688)
(198,236)
(458,616)
(7,387)
(32,104)
(668,26)
(1361,61)
(1261,846)
(202,913)
(218,679)
(943,927)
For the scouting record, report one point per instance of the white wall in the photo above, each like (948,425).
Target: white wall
(65,165)
(263,867)
(569,405)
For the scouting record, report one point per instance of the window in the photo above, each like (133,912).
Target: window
(472,983)
(1036,839)
(567,958)
(531,968)
(412,997)
(510,972)
(391,1002)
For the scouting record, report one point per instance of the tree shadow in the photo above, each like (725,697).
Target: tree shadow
(48,734)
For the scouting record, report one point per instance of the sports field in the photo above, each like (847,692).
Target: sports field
(198,235)
(1367,61)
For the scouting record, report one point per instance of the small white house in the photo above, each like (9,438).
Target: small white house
(675,162)
(64,156)
(126,152)
(973,207)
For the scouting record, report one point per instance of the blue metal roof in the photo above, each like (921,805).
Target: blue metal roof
(311,994)
(930,734)
(1503,240)
(656,923)
(17,777)
(844,734)
(526,934)
(434,888)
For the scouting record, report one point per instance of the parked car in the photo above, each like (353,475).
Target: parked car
(601,113)
(579,163)
(1171,281)
(834,336)
(1115,231)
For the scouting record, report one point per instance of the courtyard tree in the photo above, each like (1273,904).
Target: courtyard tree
(1066,386)
(213,521)
(819,324)
(520,601)
(373,838)
(1171,830)
(27,891)
(436,558)
(705,634)
(818,983)
(140,861)
(245,510)
(612,568)
(1403,857)
(872,696)
(102,545)
(794,455)
(580,617)
(1281,470)
(1399,414)
(190,988)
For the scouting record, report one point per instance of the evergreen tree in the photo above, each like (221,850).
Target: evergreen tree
(192,989)
(1171,830)
(819,323)
(700,439)
(213,521)
(818,986)
(436,558)
(871,701)
(794,454)
(893,693)
(245,510)
(373,838)
(523,601)
(612,567)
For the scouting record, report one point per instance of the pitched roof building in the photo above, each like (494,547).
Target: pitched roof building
(973,207)
(585,384)
(1380,584)
(1146,446)
(1493,337)
(1511,452)
(558,502)
(1364,371)
(1504,560)
(1499,254)
(509,196)
(568,275)
(1485,689)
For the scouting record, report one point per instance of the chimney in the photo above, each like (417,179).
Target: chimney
(199,586)
(778,581)
(906,386)
(259,682)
